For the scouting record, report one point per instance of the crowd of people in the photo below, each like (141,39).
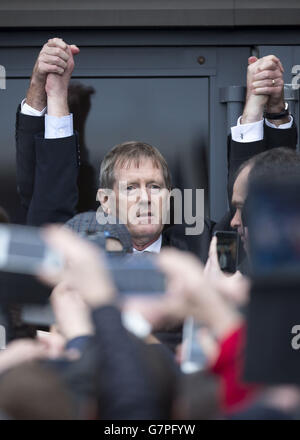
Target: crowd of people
(110,356)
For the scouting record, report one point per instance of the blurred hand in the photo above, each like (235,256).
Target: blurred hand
(20,351)
(84,271)
(188,293)
(212,270)
(185,284)
(53,342)
(261,91)
(282,397)
(208,344)
(233,287)
(71,312)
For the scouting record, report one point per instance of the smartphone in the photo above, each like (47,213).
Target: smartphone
(227,248)
(136,274)
(23,251)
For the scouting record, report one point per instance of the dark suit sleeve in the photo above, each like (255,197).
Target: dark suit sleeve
(281,137)
(240,152)
(47,172)
(26,129)
(55,192)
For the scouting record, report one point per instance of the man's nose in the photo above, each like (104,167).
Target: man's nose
(236,220)
(144,195)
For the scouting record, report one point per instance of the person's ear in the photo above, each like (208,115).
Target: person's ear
(103,198)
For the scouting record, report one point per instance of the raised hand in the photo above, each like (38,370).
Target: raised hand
(264,88)
(53,58)
(72,315)
(189,293)
(234,288)
(57,86)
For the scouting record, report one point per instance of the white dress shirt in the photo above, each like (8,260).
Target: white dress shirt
(55,127)
(255,130)
(59,127)
(154,247)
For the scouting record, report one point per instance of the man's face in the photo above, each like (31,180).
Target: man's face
(141,200)
(240,191)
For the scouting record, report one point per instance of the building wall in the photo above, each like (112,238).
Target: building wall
(148,13)
(160,80)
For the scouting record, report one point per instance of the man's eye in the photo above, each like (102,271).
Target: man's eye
(156,187)
(130,187)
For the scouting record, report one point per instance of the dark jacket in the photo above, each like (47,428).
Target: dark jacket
(47,171)
(48,186)
(240,152)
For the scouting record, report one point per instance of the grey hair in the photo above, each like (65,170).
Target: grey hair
(129,152)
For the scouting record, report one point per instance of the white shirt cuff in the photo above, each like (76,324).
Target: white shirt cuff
(252,132)
(30,111)
(58,127)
